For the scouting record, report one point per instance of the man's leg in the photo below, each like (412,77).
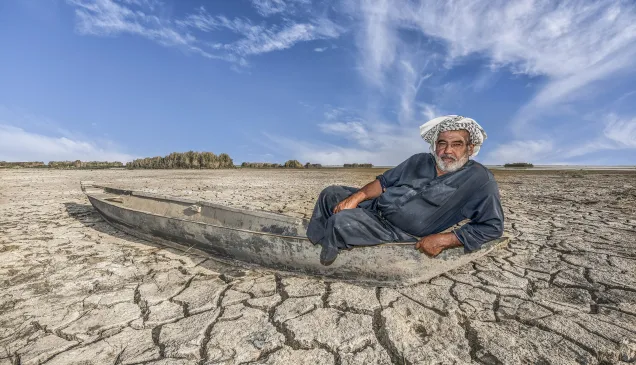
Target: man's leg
(356,227)
(323,210)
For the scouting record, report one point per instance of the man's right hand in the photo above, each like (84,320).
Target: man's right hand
(348,203)
(371,190)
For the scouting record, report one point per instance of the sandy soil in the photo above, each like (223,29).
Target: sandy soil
(76,291)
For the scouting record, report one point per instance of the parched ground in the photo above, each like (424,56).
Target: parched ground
(73,290)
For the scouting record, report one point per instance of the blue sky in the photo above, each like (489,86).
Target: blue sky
(320,81)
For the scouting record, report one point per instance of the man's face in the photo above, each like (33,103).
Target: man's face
(452,150)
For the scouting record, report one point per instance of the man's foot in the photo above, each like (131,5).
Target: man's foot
(328,254)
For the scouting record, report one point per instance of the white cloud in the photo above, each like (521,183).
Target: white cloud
(380,143)
(257,39)
(535,37)
(320,49)
(107,17)
(430,111)
(270,7)
(140,17)
(484,80)
(354,131)
(279,38)
(621,131)
(533,151)
(396,67)
(616,134)
(570,43)
(337,113)
(17,144)
(377,40)
(385,154)
(112,18)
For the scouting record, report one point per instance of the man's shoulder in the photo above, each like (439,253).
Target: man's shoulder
(483,174)
(422,157)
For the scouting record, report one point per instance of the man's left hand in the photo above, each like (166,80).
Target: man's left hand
(433,244)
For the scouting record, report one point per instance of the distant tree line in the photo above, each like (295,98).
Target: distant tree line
(261,165)
(187,160)
(32,164)
(519,164)
(77,164)
(175,160)
(357,165)
(290,164)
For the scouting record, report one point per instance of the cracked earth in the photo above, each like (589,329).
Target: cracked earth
(76,291)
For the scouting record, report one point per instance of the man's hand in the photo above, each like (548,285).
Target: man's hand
(433,244)
(350,202)
(371,190)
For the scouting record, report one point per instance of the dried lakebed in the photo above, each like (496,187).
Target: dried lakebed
(76,291)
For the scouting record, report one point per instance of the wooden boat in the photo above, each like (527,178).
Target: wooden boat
(266,239)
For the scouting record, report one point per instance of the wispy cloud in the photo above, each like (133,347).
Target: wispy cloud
(335,114)
(386,143)
(140,17)
(571,43)
(258,38)
(534,37)
(279,38)
(621,131)
(112,18)
(533,151)
(616,134)
(381,143)
(391,152)
(270,7)
(394,66)
(409,46)
(108,18)
(16,144)
(377,40)
(430,111)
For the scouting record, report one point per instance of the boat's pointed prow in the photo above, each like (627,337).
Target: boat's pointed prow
(85,184)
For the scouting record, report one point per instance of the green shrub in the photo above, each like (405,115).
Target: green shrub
(77,164)
(357,165)
(31,164)
(519,164)
(187,160)
(293,164)
(261,165)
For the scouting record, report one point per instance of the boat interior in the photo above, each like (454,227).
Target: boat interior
(199,211)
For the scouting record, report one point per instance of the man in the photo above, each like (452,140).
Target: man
(414,201)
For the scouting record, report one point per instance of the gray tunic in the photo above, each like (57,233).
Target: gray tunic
(421,203)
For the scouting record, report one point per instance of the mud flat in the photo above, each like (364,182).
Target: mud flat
(74,290)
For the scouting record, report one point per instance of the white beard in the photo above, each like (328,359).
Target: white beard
(450,166)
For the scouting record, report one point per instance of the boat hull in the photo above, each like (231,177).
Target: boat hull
(394,264)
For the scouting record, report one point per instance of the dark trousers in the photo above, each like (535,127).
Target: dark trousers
(362,226)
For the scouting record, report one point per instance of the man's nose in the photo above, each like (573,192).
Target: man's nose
(447,149)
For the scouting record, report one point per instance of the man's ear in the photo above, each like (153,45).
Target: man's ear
(471,149)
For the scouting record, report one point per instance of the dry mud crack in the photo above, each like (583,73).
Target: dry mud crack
(76,291)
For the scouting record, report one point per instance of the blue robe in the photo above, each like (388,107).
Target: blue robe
(415,203)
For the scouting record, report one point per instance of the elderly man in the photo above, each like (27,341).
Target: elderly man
(418,199)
